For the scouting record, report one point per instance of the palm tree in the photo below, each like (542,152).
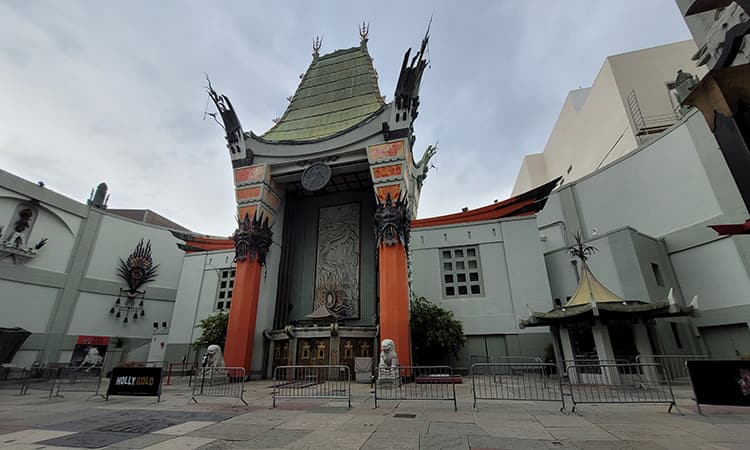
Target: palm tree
(581,250)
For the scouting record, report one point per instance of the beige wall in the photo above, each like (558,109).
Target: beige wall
(533,173)
(595,126)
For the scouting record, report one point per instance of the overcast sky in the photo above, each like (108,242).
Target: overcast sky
(98,91)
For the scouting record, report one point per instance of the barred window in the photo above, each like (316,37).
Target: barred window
(461,272)
(224,291)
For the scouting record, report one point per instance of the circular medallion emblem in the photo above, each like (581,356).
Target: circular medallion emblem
(316,176)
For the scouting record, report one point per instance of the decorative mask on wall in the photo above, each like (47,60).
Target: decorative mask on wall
(252,239)
(138,270)
(392,222)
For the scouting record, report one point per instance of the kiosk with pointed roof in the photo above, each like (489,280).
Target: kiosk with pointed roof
(582,328)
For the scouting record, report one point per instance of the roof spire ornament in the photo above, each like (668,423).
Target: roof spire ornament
(581,250)
(406,97)
(364,31)
(317,43)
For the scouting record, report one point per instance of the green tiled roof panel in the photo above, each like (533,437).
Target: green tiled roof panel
(338,91)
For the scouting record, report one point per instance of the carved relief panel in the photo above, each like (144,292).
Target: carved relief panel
(337,266)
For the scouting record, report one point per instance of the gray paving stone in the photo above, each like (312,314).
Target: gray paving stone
(231,431)
(88,439)
(388,440)
(316,421)
(561,420)
(514,429)
(490,442)
(330,410)
(443,442)
(275,439)
(180,443)
(616,445)
(87,423)
(455,428)
(643,431)
(263,417)
(142,441)
(30,437)
(359,424)
(138,426)
(408,425)
(587,433)
(330,440)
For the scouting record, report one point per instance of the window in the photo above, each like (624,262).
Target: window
(462,272)
(676,334)
(224,291)
(657,274)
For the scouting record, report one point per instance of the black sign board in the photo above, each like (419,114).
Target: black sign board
(141,381)
(720,382)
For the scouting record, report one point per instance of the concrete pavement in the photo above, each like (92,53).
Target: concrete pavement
(34,421)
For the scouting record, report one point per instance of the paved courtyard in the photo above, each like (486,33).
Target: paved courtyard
(34,421)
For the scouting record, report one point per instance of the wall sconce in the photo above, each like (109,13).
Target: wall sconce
(130,306)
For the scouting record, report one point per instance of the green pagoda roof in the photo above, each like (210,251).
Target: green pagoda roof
(339,91)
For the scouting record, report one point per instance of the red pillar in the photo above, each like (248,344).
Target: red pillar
(394,300)
(242,315)
(251,240)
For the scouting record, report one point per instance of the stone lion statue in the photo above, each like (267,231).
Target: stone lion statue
(388,366)
(388,357)
(215,357)
(215,367)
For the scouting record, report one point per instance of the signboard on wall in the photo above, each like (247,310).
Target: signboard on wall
(135,381)
(89,351)
(720,382)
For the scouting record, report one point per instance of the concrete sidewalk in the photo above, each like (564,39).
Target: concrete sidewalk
(34,421)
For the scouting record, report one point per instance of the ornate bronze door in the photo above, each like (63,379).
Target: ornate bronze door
(313,352)
(281,353)
(350,348)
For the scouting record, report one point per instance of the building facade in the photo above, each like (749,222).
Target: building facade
(66,288)
(631,101)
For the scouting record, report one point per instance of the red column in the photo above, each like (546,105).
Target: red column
(242,314)
(394,300)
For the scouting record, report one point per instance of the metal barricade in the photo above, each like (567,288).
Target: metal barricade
(416,383)
(78,379)
(13,378)
(181,369)
(619,383)
(333,382)
(518,359)
(516,381)
(56,379)
(43,381)
(220,382)
(672,368)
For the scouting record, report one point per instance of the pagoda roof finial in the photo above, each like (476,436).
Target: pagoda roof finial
(364,31)
(317,43)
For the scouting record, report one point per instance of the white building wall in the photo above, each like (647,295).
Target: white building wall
(512,269)
(92,317)
(26,305)
(656,180)
(195,299)
(716,272)
(118,237)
